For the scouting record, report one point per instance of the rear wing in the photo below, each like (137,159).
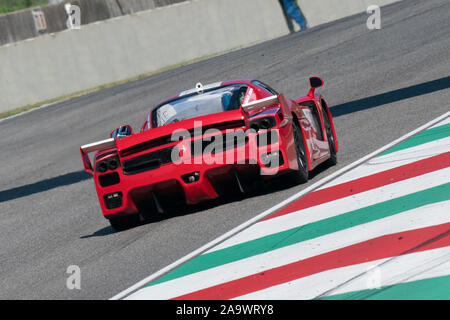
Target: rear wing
(268,102)
(258,104)
(92,147)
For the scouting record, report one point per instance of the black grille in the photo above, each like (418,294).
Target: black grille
(168,139)
(150,161)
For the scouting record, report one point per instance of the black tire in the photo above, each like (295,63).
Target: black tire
(124,223)
(302,174)
(330,138)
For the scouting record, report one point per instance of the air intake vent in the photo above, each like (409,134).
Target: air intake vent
(150,161)
(109,179)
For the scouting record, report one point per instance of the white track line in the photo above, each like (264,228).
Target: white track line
(268,212)
(446,121)
(426,216)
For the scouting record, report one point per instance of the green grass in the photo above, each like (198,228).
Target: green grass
(15,5)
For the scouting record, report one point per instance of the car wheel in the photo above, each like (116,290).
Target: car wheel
(301,175)
(330,137)
(124,223)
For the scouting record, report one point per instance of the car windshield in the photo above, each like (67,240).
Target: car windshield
(212,101)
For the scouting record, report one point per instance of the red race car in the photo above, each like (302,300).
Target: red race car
(193,146)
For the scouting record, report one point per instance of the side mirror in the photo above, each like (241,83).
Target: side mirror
(314,82)
(123,131)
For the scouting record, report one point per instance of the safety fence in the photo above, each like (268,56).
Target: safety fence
(33,22)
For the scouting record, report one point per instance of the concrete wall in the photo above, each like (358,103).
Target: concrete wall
(323,11)
(58,64)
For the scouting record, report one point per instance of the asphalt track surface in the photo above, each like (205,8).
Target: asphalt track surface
(380,84)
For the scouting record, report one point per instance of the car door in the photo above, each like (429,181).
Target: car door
(319,147)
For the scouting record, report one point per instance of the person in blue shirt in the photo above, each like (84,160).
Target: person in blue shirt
(292,10)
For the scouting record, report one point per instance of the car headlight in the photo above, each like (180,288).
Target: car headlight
(102,166)
(111,163)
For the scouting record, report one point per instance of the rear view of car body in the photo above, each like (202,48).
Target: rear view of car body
(194,160)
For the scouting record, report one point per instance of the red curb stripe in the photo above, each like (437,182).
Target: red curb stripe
(379,248)
(367,183)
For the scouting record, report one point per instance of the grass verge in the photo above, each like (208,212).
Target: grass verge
(7,6)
